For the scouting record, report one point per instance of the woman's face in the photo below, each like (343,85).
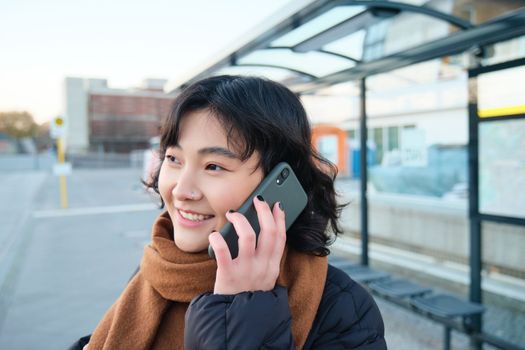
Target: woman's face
(201,179)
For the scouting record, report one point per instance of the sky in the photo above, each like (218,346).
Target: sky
(42,42)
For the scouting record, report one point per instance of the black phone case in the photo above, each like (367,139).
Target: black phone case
(289,192)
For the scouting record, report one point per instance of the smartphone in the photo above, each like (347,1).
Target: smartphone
(280,185)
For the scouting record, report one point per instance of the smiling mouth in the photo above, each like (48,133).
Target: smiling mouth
(194,217)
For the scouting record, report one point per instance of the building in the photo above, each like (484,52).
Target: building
(104,119)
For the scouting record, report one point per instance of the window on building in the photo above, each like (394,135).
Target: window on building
(375,138)
(393,138)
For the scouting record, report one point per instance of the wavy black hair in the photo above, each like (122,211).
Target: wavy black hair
(265,116)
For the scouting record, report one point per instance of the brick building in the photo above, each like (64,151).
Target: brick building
(99,118)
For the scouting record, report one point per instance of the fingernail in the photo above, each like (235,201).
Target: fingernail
(280,206)
(259,197)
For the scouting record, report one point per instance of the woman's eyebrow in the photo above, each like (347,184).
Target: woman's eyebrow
(219,151)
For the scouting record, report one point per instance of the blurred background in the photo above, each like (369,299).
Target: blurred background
(419,103)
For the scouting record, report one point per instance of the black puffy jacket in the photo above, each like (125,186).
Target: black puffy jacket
(347,318)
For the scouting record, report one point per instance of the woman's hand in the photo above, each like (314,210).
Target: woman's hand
(254,268)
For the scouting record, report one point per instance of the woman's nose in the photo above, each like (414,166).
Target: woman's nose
(185,188)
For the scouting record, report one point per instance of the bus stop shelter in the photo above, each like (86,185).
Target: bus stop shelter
(319,44)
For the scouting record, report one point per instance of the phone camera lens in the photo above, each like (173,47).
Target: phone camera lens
(285,173)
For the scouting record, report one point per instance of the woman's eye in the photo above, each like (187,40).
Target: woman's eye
(214,167)
(171,158)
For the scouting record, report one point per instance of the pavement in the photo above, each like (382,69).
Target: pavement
(60,270)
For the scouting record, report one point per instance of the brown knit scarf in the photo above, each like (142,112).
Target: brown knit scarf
(149,314)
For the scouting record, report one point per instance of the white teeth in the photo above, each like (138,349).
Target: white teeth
(194,217)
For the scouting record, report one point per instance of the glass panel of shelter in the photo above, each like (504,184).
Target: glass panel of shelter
(351,45)
(380,38)
(383,37)
(504,51)
(328,19)
(417,137)
(498,93)
(277,74)
(334,115)
(474,11)
(314,63)
(502,168)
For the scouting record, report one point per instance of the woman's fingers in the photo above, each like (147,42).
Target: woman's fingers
(267,233)
(246,234)
(256,268)
(280,237)
(221,250)
(272,236)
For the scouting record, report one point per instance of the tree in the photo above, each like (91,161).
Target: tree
(18,124)
(42,139)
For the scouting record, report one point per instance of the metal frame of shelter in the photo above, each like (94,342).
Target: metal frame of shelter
(475,216)
(467,38)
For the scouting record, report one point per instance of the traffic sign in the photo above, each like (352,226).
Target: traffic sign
(57,128)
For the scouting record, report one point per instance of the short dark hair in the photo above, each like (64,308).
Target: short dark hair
(267,117)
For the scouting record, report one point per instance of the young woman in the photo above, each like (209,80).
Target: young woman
(224,134)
